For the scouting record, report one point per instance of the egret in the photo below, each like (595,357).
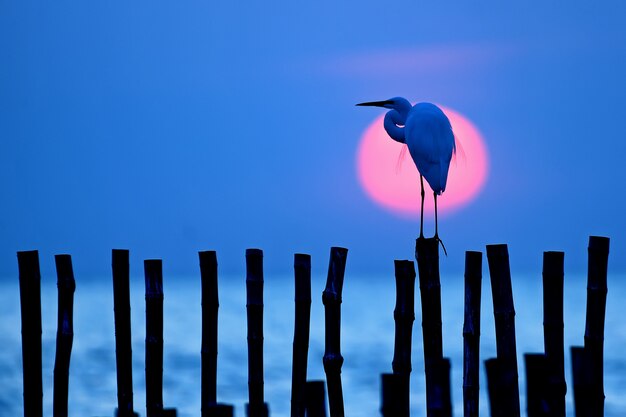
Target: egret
(427,132)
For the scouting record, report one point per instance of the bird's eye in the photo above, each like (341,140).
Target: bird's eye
(399,125)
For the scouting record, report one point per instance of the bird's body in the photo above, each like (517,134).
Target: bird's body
(427,132)
(431,143)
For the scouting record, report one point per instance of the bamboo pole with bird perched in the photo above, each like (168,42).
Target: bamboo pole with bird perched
(427,254)
(333,360)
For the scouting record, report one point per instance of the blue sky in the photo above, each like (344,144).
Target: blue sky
(168,128)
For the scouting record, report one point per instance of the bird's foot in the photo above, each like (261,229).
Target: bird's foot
(442,245)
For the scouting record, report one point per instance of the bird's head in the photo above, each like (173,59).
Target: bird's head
(395,118)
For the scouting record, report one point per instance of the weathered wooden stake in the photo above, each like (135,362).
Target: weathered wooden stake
(582,381)
(427,255)
(65,333)
(504,313)
(208,352)
(537,380)
(302,271)
(391,395)
(404,316)
(315,399)
(123,351)
(553,325)
(333,360)
(596,311)
(471,332)
(256,406)
(30,303)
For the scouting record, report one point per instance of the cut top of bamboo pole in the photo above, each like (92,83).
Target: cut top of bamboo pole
(208,273)
(336,271)
(302,270)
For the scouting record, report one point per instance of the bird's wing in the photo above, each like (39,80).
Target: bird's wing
(431,142)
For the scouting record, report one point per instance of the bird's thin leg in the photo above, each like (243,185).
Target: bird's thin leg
(437,229)
(422,209)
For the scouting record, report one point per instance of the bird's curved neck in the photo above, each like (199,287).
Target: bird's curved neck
(394,125)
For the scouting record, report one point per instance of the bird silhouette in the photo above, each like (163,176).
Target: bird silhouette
(427,132)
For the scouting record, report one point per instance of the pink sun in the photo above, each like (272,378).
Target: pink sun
(394,183)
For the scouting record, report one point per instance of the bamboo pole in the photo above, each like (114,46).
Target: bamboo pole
(427,254)
(208,352)
(391,395)
(123,351)
(333,360)
(440,401)
(499,403)
(553,326)
(30,303)
(504,313)
(65,333)
(315,399)
(154,337)
(596,311)
(220,410)
(537,381)
(471,333)
(302,271)
(404,316)
(582,381)
(256,406)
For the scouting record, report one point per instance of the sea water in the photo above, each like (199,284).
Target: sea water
(367,342)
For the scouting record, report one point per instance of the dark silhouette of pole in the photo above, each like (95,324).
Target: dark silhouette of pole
(154,337)
(427,254)
(596,311)
(440,397)
(331,297)
(256,406)
(504,313)
(302,271)
(210,306)
(391,395)
(404,316)
(583,382)
(471,332)
(315,399)
(30,303)
(553,326)
(65,333)
(501,398)
(123,351)
(537,380)
(219,410)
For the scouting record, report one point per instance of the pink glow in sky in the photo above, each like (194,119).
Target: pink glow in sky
(395,185)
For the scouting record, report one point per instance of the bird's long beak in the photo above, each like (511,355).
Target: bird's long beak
(375,103)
